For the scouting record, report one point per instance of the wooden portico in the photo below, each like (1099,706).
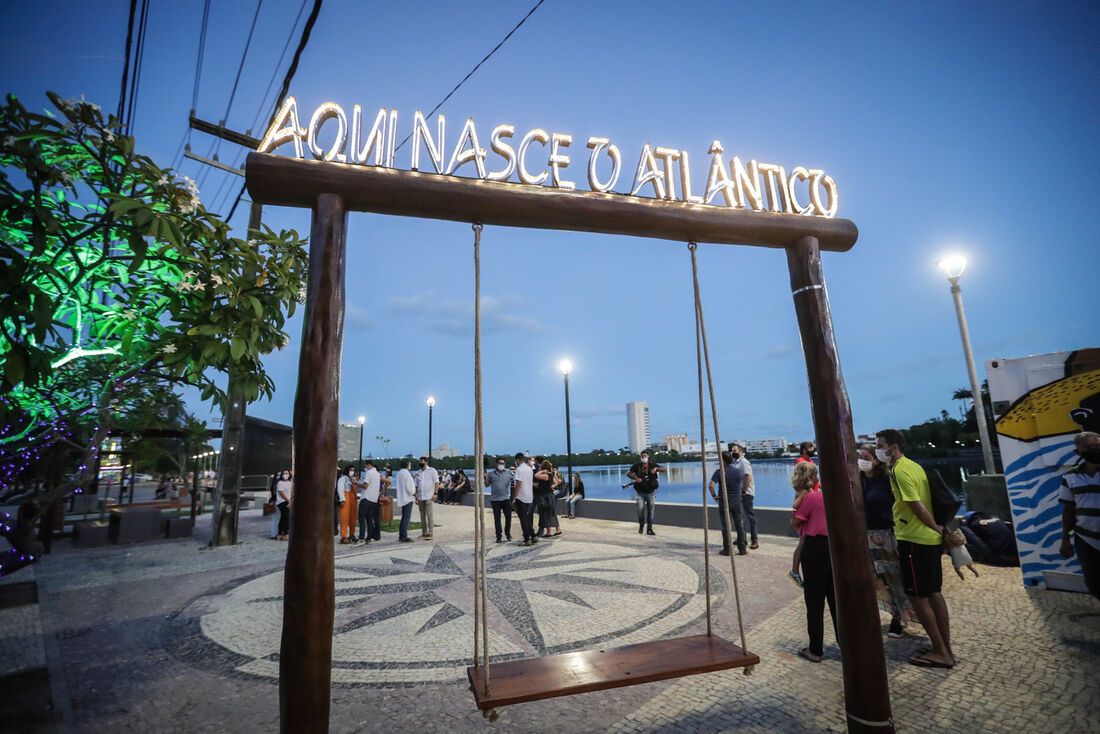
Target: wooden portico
(332,190)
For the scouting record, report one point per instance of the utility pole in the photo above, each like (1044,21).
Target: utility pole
(227,494)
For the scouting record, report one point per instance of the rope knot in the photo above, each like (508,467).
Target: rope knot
(692,245)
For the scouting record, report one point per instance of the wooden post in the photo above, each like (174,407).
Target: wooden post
(305,661)
(867,695)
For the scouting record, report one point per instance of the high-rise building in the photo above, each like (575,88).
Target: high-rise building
(676,441)
(347,440)
(637,426)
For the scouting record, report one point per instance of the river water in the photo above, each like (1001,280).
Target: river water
(684,482)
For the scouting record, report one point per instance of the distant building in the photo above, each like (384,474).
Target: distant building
(347,440)
(676,441)
(444,451)
(764,445)
(694,449)
(637,426)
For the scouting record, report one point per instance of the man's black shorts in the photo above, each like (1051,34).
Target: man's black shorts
(921,568)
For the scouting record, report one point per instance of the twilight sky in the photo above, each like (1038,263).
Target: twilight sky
(947,126)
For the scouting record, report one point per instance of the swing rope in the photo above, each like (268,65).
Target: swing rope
(703,356)
(481,602)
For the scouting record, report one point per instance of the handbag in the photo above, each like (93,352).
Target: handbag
(269,508)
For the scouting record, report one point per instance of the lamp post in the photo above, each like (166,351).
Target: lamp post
(362,421)
(431,404)
(566,367)
(953,266)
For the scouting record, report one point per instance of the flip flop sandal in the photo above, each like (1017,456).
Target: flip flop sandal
(922,662)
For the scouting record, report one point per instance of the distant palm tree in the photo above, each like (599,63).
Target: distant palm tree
(962,394)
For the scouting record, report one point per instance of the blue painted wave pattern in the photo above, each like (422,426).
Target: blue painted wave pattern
(1033,481)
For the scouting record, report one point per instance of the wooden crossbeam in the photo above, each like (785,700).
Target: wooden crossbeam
(284,181)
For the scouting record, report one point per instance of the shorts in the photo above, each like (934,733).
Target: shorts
(921,568)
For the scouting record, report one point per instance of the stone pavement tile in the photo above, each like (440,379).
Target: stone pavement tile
(21,646)
(133,625)
(1018,650)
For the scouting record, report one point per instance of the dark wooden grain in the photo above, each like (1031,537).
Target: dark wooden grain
(533,679)
(291,182)
(305,660)
(860,634)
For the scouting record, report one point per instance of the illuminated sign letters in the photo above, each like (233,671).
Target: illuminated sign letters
(545,158)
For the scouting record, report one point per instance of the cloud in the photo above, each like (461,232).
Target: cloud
(593,411)
(781,352)
(456,317)
(356,318)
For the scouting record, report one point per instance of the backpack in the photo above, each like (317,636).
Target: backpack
(944,502)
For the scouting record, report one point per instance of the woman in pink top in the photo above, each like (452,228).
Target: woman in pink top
(817,571)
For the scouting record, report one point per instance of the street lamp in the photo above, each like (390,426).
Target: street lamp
(953,266)
(566,367)
(431,404)
(362,421)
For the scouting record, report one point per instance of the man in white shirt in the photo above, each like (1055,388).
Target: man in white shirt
(523,498)
(428,486)
(369,526)
(406,494)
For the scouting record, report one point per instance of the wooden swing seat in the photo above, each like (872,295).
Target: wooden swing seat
(533,679)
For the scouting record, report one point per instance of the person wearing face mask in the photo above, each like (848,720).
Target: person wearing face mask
(806,452)
(499,481)
(284,493)
(920,547)
(644,476)
(1080,498)
(427,487)
(878,509)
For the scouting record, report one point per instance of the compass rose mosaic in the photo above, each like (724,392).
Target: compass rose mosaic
(404,614)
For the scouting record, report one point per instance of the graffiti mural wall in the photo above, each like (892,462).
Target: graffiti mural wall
(1039,403)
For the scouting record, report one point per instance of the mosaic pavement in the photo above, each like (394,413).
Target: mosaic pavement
(404,613)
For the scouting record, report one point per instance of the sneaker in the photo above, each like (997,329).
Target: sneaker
(754,545)
(405,540)
(501,541)
(896,629)
(527,542)
(742,552)
(650,532)
(796,578)
(641,529)
(724,552)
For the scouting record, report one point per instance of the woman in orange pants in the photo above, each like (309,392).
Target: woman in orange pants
(349,504)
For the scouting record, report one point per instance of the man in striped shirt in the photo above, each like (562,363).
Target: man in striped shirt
(1080,498)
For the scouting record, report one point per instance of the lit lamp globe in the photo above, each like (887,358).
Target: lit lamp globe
(431,402)
(953,266)
(362,419)
(565,366)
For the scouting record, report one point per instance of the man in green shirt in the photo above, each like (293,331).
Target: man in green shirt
(920,547)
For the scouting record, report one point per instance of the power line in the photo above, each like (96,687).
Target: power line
(478,66)
(306,31)
(139,60)
(236,81)
(275,69)
(126,63)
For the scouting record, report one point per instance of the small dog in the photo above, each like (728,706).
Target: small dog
(960,556)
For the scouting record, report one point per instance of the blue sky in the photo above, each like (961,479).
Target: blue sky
(947,126)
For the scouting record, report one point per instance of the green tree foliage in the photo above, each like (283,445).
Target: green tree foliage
(111,269)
